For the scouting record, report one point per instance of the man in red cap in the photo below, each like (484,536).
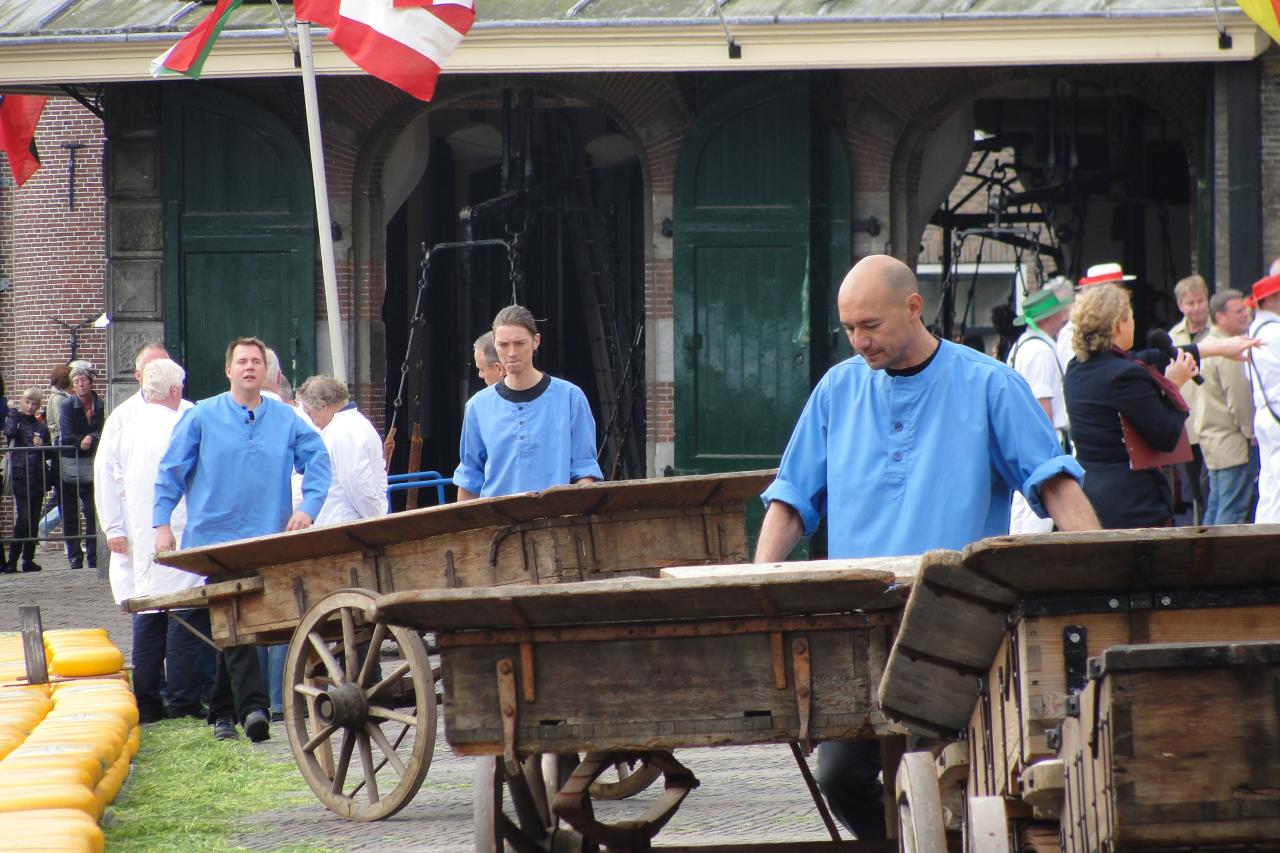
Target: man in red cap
(1264,374)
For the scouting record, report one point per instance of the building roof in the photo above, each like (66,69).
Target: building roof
(69,41)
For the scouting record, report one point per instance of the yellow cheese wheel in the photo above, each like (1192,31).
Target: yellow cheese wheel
(87,753)
(134,742)
(47,823)
(51,797)
(86,660)
(106,751)
(88,766)
(113,680)
(107,789)
(113,736)
(24,773)
(124,708)
(52,841)
(66,633)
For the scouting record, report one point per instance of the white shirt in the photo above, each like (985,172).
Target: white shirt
(140,451)
(109,488)
(1266,367)
(1035,357)
(359,486)
(1065,351)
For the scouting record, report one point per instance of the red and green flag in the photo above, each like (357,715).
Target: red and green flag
(188,55)
(19,115)
(1265,13)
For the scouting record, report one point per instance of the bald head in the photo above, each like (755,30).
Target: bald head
(1275,267)
(884,273)
(880,307)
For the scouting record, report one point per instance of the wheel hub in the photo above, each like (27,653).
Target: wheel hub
(343,705)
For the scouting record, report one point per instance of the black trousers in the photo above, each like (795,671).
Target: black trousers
(83,491)
(168,659)
(237,687)
(849,777)
(26,521)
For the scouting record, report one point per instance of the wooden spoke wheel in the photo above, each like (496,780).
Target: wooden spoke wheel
(631,779)
(512,810)
(986,826)
(921,825)
(359,692)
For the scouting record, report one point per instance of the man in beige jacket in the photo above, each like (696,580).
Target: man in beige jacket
(1224,417)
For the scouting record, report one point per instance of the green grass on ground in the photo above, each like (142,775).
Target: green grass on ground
(187,791)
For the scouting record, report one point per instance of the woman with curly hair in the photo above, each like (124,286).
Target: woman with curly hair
(1104,382)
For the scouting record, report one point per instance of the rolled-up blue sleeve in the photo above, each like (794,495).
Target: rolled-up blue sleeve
(176,466)
(1025,450)
(472,454)
(582,440)
(801,482)
(311,460)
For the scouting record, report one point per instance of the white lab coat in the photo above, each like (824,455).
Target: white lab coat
(140,452)
(359,487)
(1264,376)
(109,489)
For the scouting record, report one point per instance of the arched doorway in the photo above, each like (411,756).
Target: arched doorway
(239,242)
(564,179)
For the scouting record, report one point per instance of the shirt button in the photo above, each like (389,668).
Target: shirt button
(897,457)
(897,426)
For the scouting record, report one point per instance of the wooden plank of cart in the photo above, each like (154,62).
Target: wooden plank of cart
(312,588)
(1112,691)
(628,670)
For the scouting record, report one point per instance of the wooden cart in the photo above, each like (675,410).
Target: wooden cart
(312,590)
(632,669)
(1080,652)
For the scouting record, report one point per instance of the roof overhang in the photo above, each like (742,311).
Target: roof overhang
(652,45)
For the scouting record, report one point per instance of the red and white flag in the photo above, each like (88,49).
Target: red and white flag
(400,41)
(19,115)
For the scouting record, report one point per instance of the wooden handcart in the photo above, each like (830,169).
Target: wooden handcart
(1113,691)
(633,669)
(360,695)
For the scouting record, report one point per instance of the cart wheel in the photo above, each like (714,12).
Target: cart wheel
(987,826)
(338,682)
(921,827)
(533,826)
(632,779)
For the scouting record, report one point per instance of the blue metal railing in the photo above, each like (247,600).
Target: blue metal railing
(418,480)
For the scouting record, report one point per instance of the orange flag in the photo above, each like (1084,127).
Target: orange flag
(1265,13)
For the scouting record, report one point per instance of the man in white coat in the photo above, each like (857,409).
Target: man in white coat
(109,476)
(359,486)
(164,651)
(1264,375)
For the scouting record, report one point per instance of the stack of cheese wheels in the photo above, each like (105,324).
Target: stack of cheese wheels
(65,747)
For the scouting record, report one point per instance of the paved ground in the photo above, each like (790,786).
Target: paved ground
(747,794)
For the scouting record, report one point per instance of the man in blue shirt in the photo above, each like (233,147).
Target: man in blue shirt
(232,456)
(529,430)
(912,444)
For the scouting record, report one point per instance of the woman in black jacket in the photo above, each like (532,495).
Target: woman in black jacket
(1104,382)
(27,466)
(81,425)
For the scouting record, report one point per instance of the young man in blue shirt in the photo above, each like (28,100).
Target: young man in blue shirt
(911,444)
(529,430)
(232,456)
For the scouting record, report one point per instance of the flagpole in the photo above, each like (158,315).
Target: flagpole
(323,221)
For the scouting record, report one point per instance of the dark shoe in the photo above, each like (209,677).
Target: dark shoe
(224,729)
(277,716)
(146,717)
(31,567)
(76,564)
(8,568)
(257,726)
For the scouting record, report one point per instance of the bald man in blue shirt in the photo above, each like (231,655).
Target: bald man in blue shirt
(911,444)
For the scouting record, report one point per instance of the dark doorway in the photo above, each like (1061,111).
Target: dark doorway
(562,185)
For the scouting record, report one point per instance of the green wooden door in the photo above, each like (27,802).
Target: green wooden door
(239,235)
(761,244)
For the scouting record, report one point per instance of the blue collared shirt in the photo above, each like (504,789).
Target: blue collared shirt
(234,467)
(903,464)
(509,447)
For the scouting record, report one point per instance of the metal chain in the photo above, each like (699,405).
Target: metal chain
(417,320)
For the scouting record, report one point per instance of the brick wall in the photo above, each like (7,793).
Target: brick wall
(1270,144)
(53,255)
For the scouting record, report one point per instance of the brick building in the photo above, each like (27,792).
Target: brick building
(681,219)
